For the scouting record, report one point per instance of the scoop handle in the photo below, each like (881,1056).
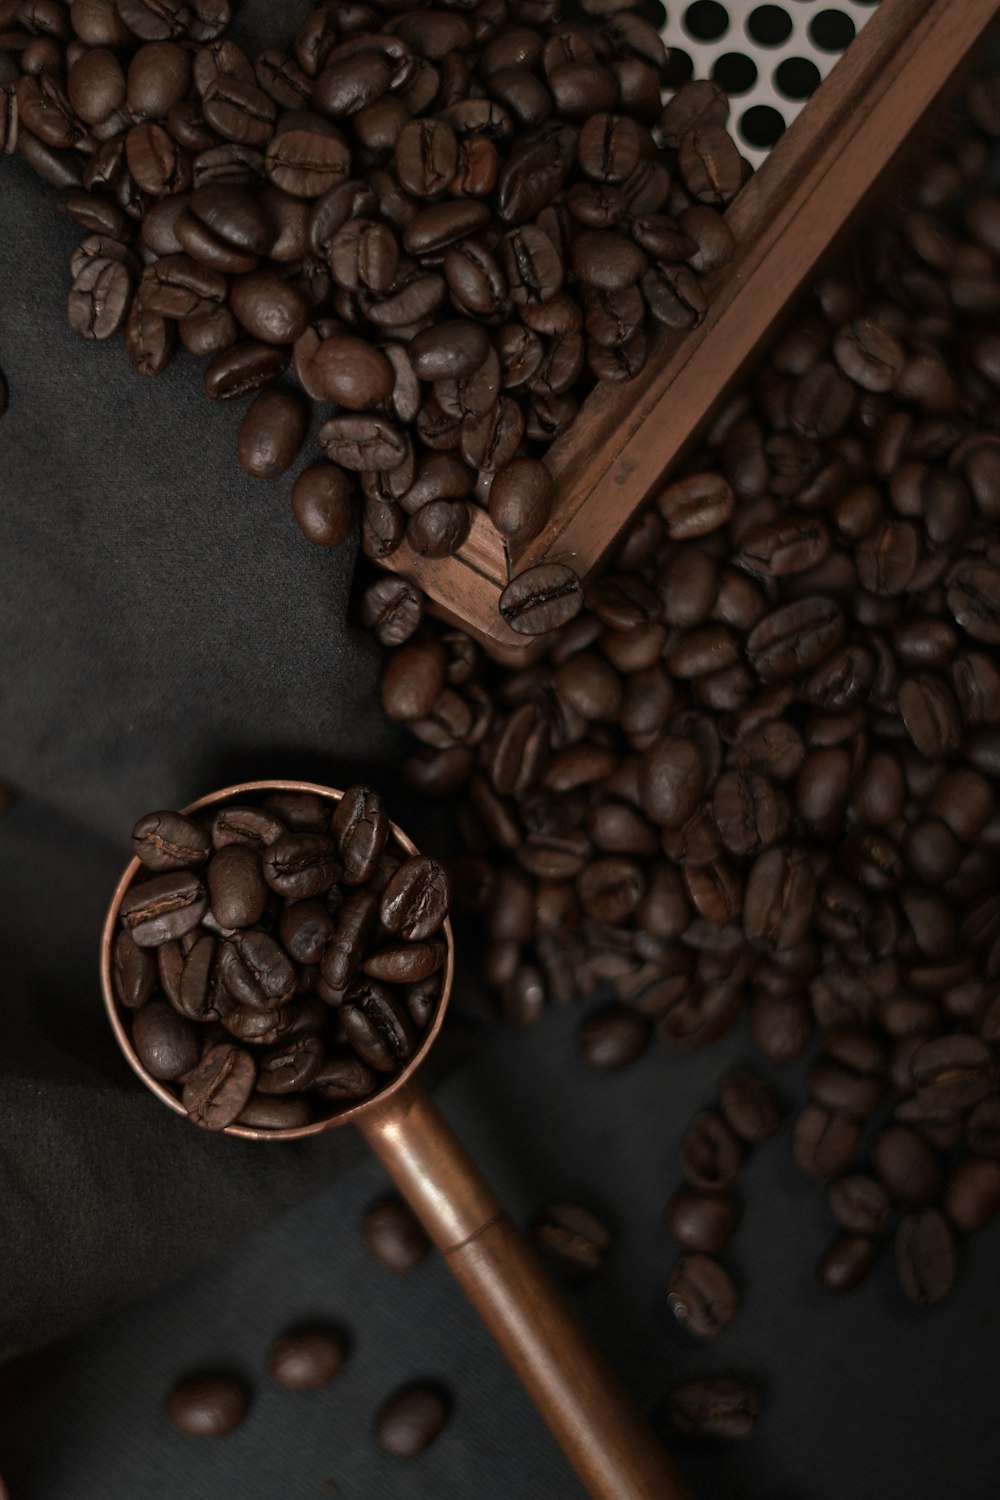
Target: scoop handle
(606,1439)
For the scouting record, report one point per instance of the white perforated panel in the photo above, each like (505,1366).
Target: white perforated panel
(768,57)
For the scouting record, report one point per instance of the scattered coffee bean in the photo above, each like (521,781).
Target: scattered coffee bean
(208,1406)
(574,1237)
(702,1296)
(394,1235)
(412,1419)
(306,1357)
(718,1407)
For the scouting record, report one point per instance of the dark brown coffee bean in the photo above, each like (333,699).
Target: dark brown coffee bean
(926,1256)
(704,1222)
(236,888)
(860,1204)
(751,1105)
(219,1087)
(394,1235)
(952,1073)
(846,1262)
(301,864)
(307,1357)
(164,908)
(702,1296)
(574,1237)
(720,1408)
(205,1406)
(711,1155)
(907,1165)
(271,433)
(165,1043)
(671,779)
(170,842)
(412,1419)
(377,1026)
(274,1112)
(971,1197)
(344,1077)
(521,500)
(256,971)
(415,901)
(364,442)
(133,971)
(292,1067)
(612,1037)
(244,368)
(823,1142)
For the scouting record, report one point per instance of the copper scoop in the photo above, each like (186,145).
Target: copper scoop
(602,1434)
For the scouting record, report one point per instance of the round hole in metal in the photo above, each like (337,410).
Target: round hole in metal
(679,69)
(761,125)
(831,30)
(735,72)
(797,78)
(706,20)
(769,25)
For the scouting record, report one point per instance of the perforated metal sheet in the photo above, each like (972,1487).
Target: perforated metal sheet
(768,57)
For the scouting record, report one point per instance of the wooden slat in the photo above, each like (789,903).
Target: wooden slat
(626,437)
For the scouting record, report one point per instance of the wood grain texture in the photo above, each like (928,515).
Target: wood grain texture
(627,437)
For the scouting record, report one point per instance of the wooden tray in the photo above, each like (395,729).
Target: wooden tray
(626,437)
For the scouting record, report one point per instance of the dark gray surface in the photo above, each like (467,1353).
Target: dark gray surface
(865,1397)
(125,683)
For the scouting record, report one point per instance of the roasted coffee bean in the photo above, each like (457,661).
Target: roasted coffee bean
(971,1197)
(824,1142)
(133,971)
(252,826)
(377,1026)
(719,1407)
(301,864)
(344,1077)
(164,908)
(271,433)
(394,1235)
(292,1067)
(256,971)
(907,1165)
(952,1073)
(274,1112)
(575,1238)
(860,1204)
(412,1419)
(219,1087)
(846,1262)
(612,1037)
(165,1043)
(244,368)
(926,1257)
(699,1221)
(711,1155)
(751,1105)
(415,901)
(306,1357)
(360,826)
(236,888)
(702,1296)
(204,1406)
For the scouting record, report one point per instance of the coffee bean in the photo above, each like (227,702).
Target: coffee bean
(846,1262)
(574,1237)
(612,1037)
(718,1407)
(306,1357)
(344,1076)
(290,1068)
(377,1027)
(824,1142)
(301,864)
(952,1073)
(711,1155)
(165,1043)
(704,1222)
(134,972)
(860,1204)
(271,433)
(926,1256)
(906,1165)
(394,1235)
(164,908)
(205,1406)
(244,368)
(256,971)
(219,1087)
(702,1296)
(751,1105)
(274,1112)
(971,1197)
(415,901)
(410,1420)
(342,955)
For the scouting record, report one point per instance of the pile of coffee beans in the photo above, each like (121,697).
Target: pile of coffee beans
(759,770)
(451,223)
(281,956)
